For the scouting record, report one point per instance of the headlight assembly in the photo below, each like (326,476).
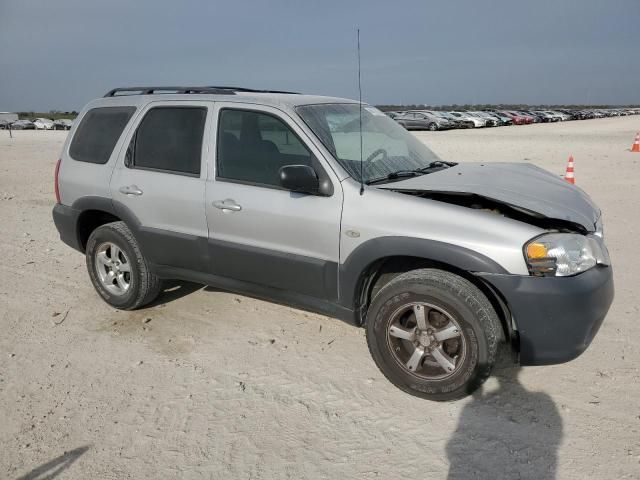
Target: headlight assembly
(564,254)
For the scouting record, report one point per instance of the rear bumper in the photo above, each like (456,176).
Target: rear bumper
(556,317)
(66,221)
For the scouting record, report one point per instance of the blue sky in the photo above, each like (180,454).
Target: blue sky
(61,54)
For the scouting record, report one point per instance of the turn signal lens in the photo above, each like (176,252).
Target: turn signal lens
(537,251)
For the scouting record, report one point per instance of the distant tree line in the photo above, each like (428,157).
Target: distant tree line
(489,106)
(51,114)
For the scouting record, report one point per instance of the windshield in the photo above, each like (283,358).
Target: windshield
(386,146)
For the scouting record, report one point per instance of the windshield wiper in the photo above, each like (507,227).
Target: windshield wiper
(433,166)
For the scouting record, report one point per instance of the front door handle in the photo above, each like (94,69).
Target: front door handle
(130,190)
(228,205)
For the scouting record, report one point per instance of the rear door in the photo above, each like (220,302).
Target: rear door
(422,121)
(158,184)
(412,121)
(260,233)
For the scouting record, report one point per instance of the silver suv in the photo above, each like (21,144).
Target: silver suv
(329,205)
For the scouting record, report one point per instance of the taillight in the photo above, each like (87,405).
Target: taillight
(56,184)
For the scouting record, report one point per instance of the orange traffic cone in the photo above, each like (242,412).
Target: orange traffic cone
(636,145)
(568,176)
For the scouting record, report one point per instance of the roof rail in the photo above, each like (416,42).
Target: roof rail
(253,90)
(153,90)
(118,92)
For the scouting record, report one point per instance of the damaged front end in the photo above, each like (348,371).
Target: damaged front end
(479,202)
(519,191)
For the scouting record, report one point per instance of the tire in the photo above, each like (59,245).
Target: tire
(142,285)
(457,306)
(432,127)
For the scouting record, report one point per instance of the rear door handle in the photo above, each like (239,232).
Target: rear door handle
(130,190)
(228,204)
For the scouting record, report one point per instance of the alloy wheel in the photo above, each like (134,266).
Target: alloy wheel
(113,268)
(426,341)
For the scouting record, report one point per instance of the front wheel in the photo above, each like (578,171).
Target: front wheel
(433,334)
(433,127)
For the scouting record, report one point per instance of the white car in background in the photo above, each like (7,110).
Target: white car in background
(477,121)
(43,124)
(62,124)
(560,115)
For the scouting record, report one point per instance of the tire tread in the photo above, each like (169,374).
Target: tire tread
(478,303)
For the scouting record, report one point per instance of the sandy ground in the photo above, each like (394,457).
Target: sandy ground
(208,384)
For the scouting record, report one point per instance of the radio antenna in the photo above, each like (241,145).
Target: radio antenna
(360,123)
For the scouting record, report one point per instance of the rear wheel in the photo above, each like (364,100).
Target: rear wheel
(118,271)
(433,334)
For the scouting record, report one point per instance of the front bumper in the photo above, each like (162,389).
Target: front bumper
(556,317)
(66,221)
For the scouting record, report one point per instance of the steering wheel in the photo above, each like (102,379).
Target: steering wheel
(380,151)
(370,162)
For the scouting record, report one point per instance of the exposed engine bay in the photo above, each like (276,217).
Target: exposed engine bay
(479,202)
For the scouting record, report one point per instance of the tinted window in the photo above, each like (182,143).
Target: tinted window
(169,139)
(98,133)
(253,146)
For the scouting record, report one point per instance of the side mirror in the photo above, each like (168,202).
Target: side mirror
(299,178)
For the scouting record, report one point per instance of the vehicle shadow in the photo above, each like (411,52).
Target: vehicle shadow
(508,433)
(56,466)
(173,290)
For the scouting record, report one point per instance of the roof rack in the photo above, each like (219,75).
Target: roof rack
(119,92)
(253,90)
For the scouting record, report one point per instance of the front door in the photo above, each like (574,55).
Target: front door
(258,232)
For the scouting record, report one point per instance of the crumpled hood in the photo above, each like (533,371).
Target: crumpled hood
(519,185)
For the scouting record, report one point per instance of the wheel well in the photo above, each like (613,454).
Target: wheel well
(382,271)
(89,220)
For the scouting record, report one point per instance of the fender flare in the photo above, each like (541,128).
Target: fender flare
(354,269)
(108,205)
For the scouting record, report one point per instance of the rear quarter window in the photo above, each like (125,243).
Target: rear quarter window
(98,133)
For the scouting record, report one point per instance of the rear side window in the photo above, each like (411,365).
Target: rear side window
(169,139)
(98,133)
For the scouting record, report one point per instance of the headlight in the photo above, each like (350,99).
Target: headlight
(564,254)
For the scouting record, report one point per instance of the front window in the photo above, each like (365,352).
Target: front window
(253,146)
(386,146)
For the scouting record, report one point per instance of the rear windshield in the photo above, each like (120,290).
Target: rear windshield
(98,133)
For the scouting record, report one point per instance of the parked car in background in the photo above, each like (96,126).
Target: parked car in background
(491,121)
(477,121)
(569,114)
(516,118)
(503,120)
(4,124)
(457,122)
(557,116)
(62,124)
(530,118)
(23,125)
(420,120)
(537,117)
(563,116)
(546,117)
(43,124)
